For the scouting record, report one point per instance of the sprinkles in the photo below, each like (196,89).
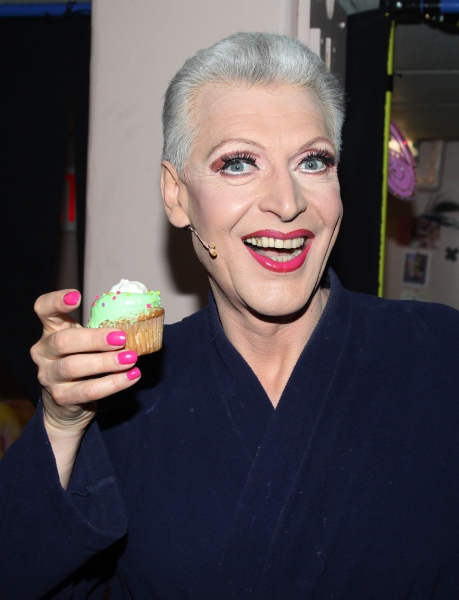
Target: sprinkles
(136,304)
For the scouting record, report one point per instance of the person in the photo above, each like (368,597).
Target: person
(292,440)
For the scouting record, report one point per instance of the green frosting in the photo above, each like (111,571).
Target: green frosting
(118,306)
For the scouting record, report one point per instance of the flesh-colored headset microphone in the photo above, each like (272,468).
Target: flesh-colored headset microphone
(209,247)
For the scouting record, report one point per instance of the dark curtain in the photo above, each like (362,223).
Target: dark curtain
(356,255)
(44,71)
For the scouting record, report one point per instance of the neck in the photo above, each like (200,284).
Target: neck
(271,346)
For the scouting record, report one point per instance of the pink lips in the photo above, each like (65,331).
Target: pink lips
(281,267)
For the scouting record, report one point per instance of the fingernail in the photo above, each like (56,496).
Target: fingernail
(133,373)
(127,358)
(116,338)
(72,298)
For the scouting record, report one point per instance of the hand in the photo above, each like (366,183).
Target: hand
(73,363)
(71,360)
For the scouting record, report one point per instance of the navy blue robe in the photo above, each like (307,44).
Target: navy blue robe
(192,486)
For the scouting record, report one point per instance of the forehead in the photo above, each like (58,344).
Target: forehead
(269,115)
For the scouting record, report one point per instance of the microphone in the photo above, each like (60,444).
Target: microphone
(211,248)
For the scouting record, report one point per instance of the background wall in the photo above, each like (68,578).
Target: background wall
(137,46)
(442,283)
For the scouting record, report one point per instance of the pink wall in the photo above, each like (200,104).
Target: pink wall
(137,47)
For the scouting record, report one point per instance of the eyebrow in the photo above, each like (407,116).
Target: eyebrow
(234,141)
(313,142)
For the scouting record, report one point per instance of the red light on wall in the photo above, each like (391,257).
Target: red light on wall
(71,204)
(69,216)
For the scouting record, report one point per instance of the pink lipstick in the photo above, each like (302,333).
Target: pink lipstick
(280,246)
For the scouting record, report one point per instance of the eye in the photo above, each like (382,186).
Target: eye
(237,165)
(313,164)
(317,162)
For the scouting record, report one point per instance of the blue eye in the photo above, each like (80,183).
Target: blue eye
(238,165)
(313,164)
(317,162)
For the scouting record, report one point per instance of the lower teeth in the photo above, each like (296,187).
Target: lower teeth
(287,258)
(281,258)
(284,258)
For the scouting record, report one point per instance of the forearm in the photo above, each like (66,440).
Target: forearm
(65,444)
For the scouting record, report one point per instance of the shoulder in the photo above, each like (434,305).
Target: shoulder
(405,356)
(405,341)
(421,321)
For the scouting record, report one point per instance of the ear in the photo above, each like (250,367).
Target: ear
(175,196)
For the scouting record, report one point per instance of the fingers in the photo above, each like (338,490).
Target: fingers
(76,340)
(79,366)
(74,394)
(53,308)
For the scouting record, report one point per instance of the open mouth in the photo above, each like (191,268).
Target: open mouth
(284,250)
(277,251)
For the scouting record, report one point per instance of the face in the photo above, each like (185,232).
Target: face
(261,184)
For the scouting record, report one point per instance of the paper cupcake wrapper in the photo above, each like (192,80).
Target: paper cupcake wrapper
(144,336)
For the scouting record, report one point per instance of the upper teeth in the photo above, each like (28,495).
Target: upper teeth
(269,242)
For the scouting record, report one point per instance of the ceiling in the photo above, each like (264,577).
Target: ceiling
(35,1)
(425,102)
(353,6)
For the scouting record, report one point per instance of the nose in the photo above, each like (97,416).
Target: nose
(283,196)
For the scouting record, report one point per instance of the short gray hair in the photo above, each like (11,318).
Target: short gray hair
(254,59)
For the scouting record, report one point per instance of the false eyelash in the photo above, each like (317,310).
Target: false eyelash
(324,155)
(233,156)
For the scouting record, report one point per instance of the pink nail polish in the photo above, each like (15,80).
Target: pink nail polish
(72,298)
(116,338)
(128,357)
(133,373)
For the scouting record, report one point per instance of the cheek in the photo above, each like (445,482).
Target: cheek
(336,208)
(202,201)
(328,206)
(215,206)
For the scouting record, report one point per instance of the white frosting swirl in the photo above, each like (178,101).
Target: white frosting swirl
(134,287)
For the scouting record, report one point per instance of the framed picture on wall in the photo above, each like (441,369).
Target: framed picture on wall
(416,266)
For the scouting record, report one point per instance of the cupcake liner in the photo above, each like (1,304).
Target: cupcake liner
(143,336)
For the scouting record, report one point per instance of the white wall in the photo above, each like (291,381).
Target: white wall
(443,282)
(137,46)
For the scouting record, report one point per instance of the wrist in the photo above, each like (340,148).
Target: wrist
(66,426)
(69,420)
(62,434)
(65,439)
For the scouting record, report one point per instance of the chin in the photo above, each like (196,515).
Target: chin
(281,303)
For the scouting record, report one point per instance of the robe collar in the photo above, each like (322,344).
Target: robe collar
(278,443)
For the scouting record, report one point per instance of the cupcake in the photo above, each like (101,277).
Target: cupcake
(130,307)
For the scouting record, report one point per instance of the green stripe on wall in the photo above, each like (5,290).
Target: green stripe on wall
(382,247)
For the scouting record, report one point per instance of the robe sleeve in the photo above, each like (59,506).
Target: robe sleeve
(48,534)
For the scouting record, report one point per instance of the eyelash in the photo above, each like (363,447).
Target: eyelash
(229,159)
(324,155)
